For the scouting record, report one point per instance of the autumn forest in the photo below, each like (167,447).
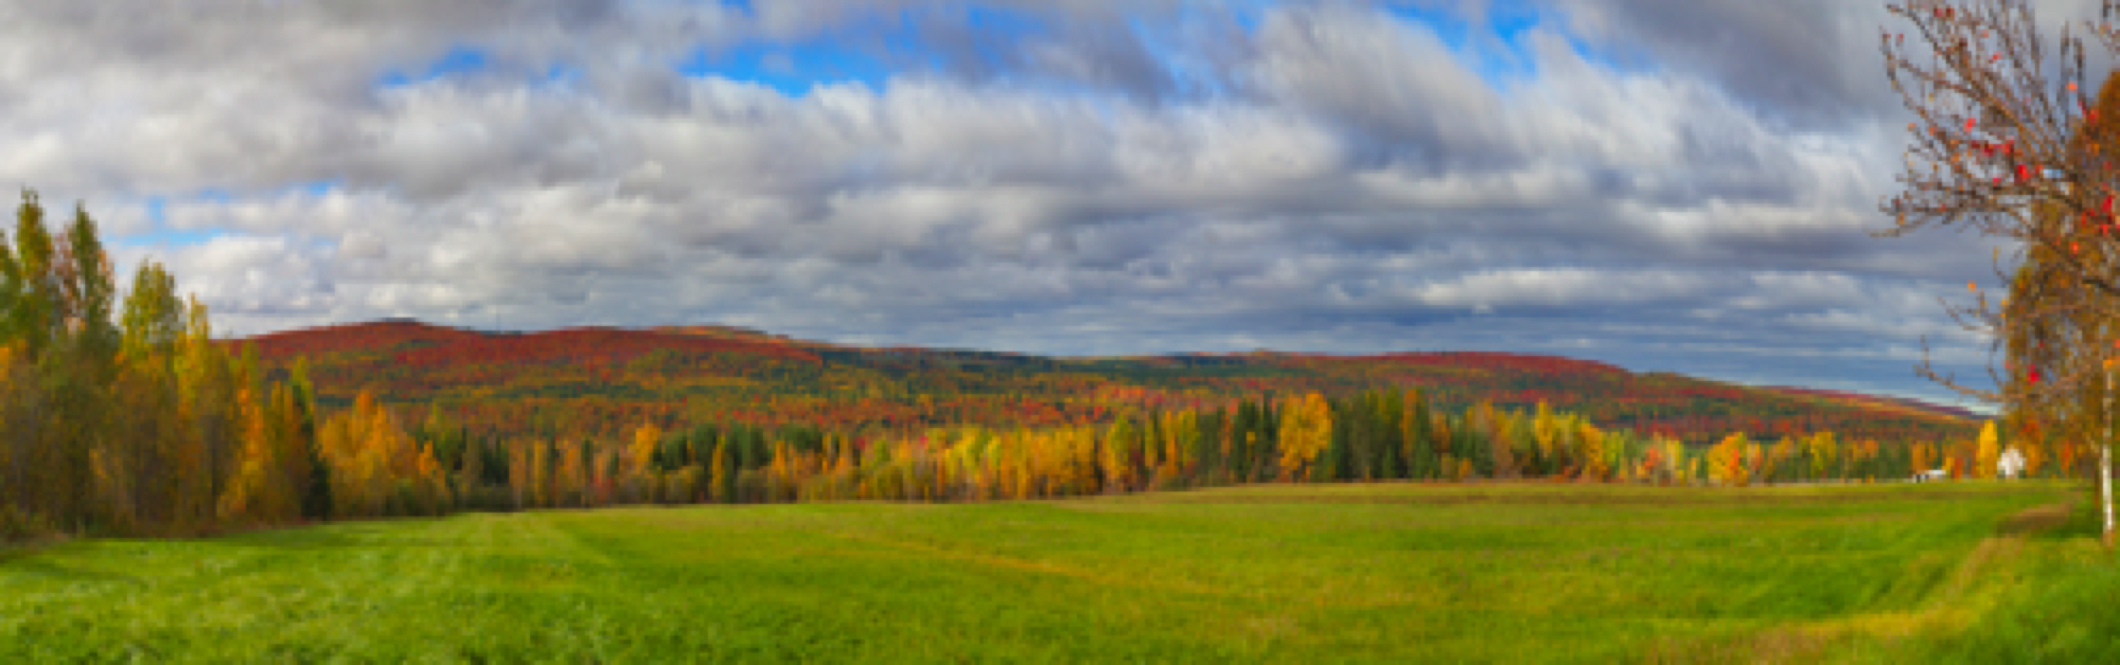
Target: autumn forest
(124,413)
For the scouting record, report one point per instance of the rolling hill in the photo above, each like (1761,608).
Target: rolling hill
(600,381)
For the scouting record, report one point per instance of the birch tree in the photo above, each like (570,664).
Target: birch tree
(2007,142)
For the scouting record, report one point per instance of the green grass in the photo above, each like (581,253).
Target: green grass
(1351,573)
(2046,598)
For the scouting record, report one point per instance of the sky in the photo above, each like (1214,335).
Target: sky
(1666,185)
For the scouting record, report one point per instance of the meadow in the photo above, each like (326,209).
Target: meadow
(1971,572)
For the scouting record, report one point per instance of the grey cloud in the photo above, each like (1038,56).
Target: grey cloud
(1337,181)
(1401,87)
(1806,63)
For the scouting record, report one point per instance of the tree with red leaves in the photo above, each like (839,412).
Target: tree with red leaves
(2011,146)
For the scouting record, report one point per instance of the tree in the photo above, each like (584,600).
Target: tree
(316,489)
(541,473)
(260,492)
(1419,436)
(1118,449)
(721,489)
(1546,429)
(1242,437)
(29,294)
(51,291)
(153,315)
(1306,431)
(1821,452)
(641,456)
(91,292)
(1501,448)
(1990,452)
(1390,410)
(1592,443)
(1728,460)
(2007,146)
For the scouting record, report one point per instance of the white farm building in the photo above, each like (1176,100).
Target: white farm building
(2010,464)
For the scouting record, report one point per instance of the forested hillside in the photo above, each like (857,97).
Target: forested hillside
(602,382)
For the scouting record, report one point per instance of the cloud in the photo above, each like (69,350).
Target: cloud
(1680,186)
(1791,60)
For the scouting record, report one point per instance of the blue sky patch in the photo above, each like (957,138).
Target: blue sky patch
(791,69)
(163,235)
(873,49)
(459,60)
(1505,28)
(980,40)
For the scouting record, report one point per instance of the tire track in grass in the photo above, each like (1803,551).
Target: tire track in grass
(1957,603)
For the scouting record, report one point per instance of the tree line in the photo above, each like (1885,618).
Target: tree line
(1384,435)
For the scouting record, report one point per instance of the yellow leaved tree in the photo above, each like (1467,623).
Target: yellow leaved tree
(1727,461)
(1990,452)
(1306,430)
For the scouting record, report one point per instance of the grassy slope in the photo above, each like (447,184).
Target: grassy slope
(1380,573)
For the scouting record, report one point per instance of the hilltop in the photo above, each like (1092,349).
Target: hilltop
(602,380)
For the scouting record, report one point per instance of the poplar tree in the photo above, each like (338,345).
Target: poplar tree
(1990,451)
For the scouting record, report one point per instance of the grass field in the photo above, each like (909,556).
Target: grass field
(1350,573)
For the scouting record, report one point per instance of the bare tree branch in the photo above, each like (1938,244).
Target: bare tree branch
(2003,144)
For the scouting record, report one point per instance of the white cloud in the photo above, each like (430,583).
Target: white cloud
(1146,177)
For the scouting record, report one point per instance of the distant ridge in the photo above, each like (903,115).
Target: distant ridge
(1958,411)
(413,342)
(605,378)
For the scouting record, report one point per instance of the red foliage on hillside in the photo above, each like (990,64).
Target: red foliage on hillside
(585,380)
(1493,361)
(737,333)
(357,337)
(1880,400)
(428,346)
(606,346)
(1713,392)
